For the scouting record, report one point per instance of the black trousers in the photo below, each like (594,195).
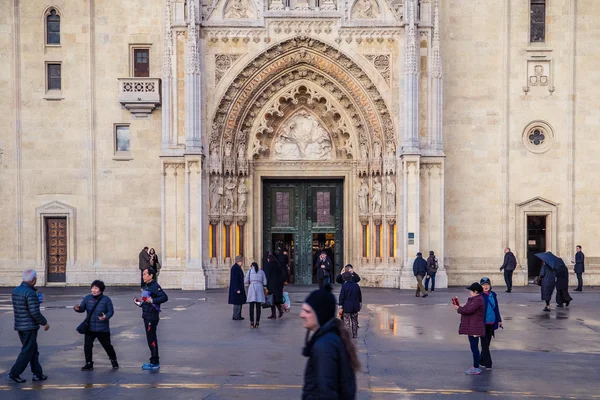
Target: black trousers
(486,357)
(29,354)
(104,339)
(258,307)
(150,328)
(508,279)
(579,280)
(323,281)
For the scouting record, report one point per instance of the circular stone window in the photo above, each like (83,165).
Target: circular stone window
(538,137)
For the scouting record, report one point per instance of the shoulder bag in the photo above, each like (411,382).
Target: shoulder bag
(84,327)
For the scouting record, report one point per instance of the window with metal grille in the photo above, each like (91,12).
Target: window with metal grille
(537,29)
(323,208)
(54,76)
(53,28)
(282,208)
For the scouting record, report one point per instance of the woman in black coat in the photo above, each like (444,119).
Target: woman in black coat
(548,276)
(276,277)
(562,286)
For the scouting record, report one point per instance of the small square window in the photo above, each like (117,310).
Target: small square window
(54,76)
(122,141)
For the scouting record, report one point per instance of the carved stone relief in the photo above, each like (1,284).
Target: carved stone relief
(376,199)
(238,9)
(363,194)
(216,191)
(303,138)
(242,196)
(365,9)
(223,63)
(390,191)
(229,189)
(382,63)
(539,76)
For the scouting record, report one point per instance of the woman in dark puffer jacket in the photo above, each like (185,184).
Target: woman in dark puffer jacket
(472,323)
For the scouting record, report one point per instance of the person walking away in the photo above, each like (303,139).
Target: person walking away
(28,319)
(152,297)
(332,364)
(99,309)
(143,264)
(472,321)
(562,286)
(493,321)
(154,262)
(579,268)
(324,269)
(420,270)
(432,267)
(237,292)
(347,268)
(276,278)
(256,279)
(509,265)
(350,301)
(548,276)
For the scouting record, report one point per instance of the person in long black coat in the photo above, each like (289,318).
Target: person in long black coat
(277,275)
(562,286)
(237,292)
(324,268)
(548,276)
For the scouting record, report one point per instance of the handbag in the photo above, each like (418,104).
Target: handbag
(268,302)
(538,280)
(84,327)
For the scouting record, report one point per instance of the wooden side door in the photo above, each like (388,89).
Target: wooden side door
(141,63)
(56,249)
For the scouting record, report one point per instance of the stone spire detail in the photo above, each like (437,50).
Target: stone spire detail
(410,140)
(193,62)
(436,44)
(168,44)
(411,49)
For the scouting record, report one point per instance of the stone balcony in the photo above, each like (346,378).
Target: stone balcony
(139,95)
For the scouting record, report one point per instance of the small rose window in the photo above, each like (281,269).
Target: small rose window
(537,137)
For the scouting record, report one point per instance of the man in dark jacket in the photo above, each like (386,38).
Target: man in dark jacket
(350,303)
(324,268)
(509,265)
(420,270)
(28,319)
(350,269)
(144,263)
(579,268)
(152,297)
(237,292)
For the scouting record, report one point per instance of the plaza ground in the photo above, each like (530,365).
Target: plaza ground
(409,348)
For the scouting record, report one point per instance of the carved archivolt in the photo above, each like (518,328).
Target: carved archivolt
(223,63)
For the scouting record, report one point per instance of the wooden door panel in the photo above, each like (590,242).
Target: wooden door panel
(56,249)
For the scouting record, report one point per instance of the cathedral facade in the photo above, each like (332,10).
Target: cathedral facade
(368,129)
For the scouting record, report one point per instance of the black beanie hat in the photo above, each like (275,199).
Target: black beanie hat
(323,304)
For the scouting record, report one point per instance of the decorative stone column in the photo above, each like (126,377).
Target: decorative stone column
(410,140)
(167,80)
(193,128)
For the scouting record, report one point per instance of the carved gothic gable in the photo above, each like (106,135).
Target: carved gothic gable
(239,9)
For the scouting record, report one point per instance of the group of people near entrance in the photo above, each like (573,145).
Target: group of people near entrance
(96,325)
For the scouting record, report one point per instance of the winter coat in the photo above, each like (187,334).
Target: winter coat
(548,282)
(150,311)
(256,280)
(420,266)
(26,308)
(144,260)
(579,262)
(562,278)
(510,262)
(324,273)
(154,263)
(350,297)
(340,280)
(104,306)
(432,265)
(496,307)
(328,375)
(236,282)
(472,319)
(276,275)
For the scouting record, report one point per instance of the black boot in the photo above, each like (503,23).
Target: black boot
(115,364)
(89,366)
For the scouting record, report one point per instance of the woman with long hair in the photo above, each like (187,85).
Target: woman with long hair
(332,357)
(154,262)
(256,279)
(277,275)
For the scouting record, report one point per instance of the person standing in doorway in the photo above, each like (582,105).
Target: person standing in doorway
(257,280)
(28,319)
(324,269)
(493,321)
(99,328)
(432,267)
(420,270)
(579,268)
(152,297)
(144,264)
(509,265)
(472,323)
(237,292)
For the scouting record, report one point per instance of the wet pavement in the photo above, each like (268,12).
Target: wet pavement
(409,348)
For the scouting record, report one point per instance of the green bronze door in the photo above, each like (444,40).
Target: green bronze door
(306,216)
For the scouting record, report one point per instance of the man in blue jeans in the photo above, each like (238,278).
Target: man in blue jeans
(28,319)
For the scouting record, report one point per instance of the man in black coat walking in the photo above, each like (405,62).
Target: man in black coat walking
(579,268)
(28,319)
(324,268)
(420,270)
(509,265)
(237,292)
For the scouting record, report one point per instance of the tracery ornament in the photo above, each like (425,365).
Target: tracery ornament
(192,62)
(168,42)
(223,63)
(382,63)
(436,47)
(411,65)
(538,137)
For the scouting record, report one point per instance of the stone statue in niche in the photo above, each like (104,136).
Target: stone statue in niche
(390,150)
(377,150)
(365,9)
(364,151)
(303,138)
(237,9)
(241,153)
(376,200)
(228,146)
(390,190)
(215,195)
(363,194)
(242,196)
(229,189)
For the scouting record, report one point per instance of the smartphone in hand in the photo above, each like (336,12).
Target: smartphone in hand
(455,301)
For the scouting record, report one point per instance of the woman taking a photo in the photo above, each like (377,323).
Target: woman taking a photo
(472,322)
(257,280)
(99,310)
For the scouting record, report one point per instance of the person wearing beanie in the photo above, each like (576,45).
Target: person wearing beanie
(432,268)
(330,371)
(472,322)
(493,321)
(237,292)
(350,303)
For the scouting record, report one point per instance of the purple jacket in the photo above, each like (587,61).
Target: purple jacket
(472,320)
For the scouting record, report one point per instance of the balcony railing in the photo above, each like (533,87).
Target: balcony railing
(139,95)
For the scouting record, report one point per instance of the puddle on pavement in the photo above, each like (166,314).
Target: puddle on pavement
(390,323)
